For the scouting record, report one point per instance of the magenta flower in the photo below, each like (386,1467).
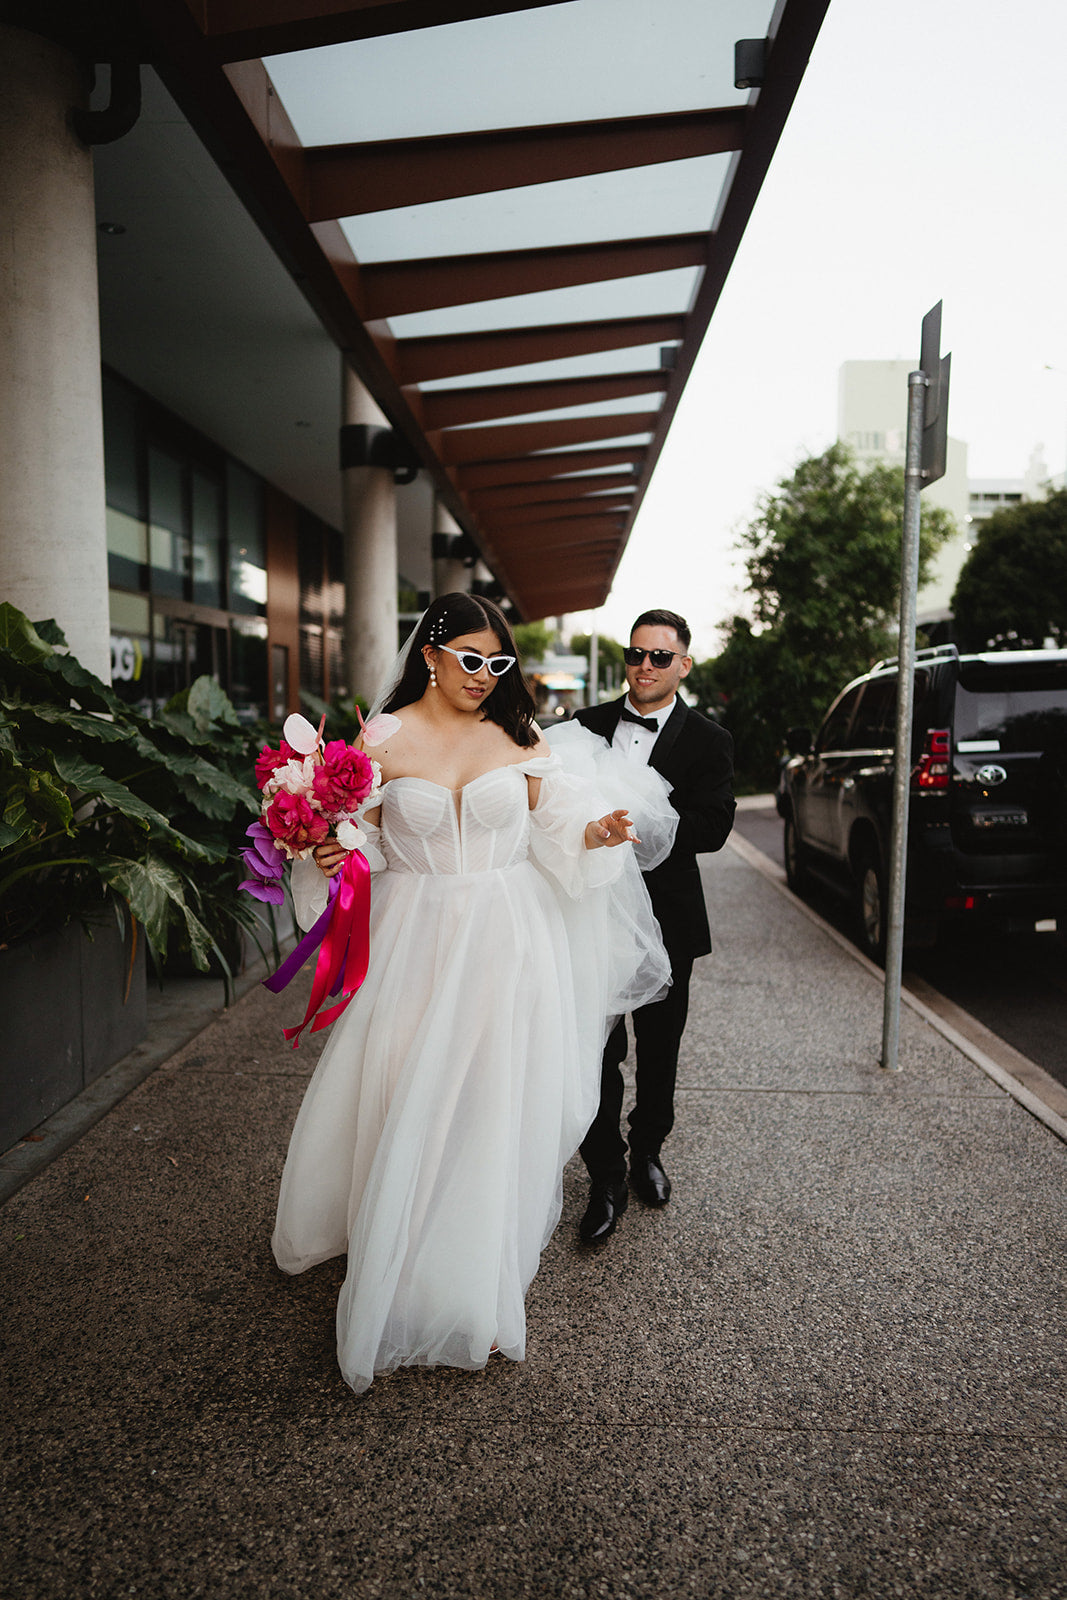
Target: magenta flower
(344,779)
(294,823)
(268,761)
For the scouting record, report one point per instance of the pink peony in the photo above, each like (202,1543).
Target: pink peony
(294,823)
(345,778)
(268,761)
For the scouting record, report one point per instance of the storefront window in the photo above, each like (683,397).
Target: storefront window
(187,557)
(131,649)
(127,532)
(247,546)
(248,667)
(207,541)
(185,649)
(168,540)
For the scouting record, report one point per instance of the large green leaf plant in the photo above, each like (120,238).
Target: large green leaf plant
(102,807)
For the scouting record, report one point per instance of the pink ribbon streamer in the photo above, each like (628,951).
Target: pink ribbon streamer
(342,937)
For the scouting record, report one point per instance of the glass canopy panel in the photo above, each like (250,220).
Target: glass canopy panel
(601,444)
(601,363)
(566,63)
(595,472)
(636,202)
(605,408)
(652,294)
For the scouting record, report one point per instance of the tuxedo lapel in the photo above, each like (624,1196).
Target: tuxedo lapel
(602,719)
(668,736)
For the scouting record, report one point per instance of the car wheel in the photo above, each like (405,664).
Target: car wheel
(872,907)
(797,875)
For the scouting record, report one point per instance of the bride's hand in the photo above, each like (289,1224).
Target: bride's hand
(615,828)
(329,857)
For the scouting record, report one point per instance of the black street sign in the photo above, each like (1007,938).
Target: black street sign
(936,369)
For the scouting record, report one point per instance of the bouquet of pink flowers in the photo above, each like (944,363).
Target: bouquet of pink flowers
(311,790)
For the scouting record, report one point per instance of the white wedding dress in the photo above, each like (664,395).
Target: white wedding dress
(463,1075)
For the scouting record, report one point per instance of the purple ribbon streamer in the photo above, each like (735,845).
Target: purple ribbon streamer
(305,949)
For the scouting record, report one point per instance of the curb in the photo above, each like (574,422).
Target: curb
(1034,1088)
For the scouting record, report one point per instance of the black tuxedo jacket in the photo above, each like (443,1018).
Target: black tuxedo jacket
(696,757)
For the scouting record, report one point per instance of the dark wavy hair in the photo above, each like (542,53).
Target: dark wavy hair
(511,705)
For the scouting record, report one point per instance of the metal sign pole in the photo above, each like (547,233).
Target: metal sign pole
(909,584)
(927,458)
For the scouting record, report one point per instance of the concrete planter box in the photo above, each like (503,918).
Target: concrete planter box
(63,1019)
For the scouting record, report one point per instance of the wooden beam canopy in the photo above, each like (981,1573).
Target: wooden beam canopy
(451,408)
(539,468)
(562,511)
(538,494)
(351,179)
(397,288)
(548,503)
(458,445)
(451,354)
(240,30)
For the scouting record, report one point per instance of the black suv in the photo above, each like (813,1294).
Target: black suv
(987,832)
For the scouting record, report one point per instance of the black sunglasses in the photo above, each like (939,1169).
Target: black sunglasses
(659,658)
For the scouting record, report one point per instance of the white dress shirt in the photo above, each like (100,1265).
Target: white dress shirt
(634,742)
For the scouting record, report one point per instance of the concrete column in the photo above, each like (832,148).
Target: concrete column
(450,574)
(53,535)
(369,502)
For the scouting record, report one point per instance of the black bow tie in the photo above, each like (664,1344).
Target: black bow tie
(642,722)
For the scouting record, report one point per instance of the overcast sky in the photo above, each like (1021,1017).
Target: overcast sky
(924,159)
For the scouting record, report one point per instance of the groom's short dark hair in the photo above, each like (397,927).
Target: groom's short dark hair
(664,619)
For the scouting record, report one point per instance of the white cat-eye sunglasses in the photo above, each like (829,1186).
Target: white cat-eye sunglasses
(472,662)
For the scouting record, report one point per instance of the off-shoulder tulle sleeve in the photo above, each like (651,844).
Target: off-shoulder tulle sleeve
(310,885)
(566,804)
(643,791)
(614,939)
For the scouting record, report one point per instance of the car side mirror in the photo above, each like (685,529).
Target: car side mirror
(798,741)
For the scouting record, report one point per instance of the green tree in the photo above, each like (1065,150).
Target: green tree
(532,640)
(1012,589)
(823,564)
(609,657)
(704,687)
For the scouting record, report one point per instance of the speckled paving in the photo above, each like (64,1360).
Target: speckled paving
(832,1367)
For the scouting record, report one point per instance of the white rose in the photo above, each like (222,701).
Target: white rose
(296,776)
(349,837)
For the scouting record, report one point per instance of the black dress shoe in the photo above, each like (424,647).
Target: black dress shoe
(648,1180)
(607,1202)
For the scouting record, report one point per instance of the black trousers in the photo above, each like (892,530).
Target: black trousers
(658,1033)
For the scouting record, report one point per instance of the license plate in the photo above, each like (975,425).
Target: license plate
(1000,819)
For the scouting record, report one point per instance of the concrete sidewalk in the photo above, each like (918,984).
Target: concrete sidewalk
(833,1366)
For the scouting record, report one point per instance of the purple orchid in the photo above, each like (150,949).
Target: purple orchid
(266,863)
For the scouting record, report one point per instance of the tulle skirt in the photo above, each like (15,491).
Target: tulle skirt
(463,1075)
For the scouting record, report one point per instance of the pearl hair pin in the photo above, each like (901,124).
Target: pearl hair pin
(437,633)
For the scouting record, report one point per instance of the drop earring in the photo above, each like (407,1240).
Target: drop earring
(433,679)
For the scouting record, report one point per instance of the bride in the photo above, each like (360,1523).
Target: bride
(507,927)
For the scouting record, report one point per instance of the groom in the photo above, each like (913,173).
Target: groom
(654,725)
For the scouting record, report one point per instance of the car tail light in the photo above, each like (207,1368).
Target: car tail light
(934,766)
(960,902)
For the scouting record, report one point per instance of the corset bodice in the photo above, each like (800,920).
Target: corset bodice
(483,827)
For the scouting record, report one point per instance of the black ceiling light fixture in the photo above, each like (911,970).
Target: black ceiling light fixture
(750,63)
